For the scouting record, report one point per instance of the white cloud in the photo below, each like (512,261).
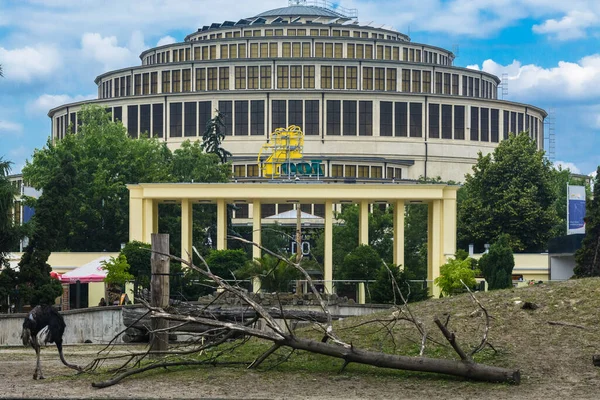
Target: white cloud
(28,63)
(567,165)
(566,81)
(107,51)
(166,40)
(571,26)
(7,126)
(45,102)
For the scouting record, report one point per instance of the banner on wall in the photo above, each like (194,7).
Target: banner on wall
(575,209)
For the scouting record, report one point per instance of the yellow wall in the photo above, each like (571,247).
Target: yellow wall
(95,293)
(533,266)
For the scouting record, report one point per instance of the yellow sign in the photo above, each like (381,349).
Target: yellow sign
(286,144)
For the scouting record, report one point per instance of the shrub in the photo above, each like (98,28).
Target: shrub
(451,275)
(497,264)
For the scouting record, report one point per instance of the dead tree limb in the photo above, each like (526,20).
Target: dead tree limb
(559,323)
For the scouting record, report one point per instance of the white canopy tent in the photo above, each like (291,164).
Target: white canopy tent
(90,272)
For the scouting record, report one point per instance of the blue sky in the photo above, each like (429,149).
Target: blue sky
(52,50)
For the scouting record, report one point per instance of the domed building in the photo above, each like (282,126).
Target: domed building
(372,104)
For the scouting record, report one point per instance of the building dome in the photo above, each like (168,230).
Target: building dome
(300,11)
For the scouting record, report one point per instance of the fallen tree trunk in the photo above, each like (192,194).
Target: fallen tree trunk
(466,369)
(134,317)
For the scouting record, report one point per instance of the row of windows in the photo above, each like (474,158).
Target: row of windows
(298,49)
(299,77)
(338,118)
(298,32)
(267,210)
(336,171)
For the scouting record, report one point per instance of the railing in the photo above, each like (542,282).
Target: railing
(329,5)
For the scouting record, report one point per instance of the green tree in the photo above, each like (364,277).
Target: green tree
(8,230)
(117,270)
(587,258)
(452,276)
(497,264)
(275,274)
(383,291)
(104,161)
(509,192)
(214,135)
(225,263)
(362,263)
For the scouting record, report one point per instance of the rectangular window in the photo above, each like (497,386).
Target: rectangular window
(241,118)
(157,120)
(187,80)
(416,81)
(287,49)
(132,121)
(333,117)
(495,120)
(350,171)
(223,78)
(363,171)
(309,77)
(391,83)
(242,50)
(252,170)
(416,120)
(427,81)
(264,50)
(329,50)
(404,54)
(438,83)
(339,50)
(175,119)
(145,83)
(446,83)
(326,75)
(338,77)
(233,51)
(200,79)
(296,50)
(241,211)
(369,51)
(367,78)
(197,55)
(257,117)
(337,171)
(459,122)
(154,82)
(311,116)
(204,115)
(351,78)
(513,122)
(401,111)
(377,173)
(485,124)
(213,52)
(305,49)
(464,85)
(295,113)
(279,114)
(240,77)
(434,121)
(470,86)
(360,51)
(189,128)
(455,84)
(506,124)
(224,51)
(118,113)
(145,119)
(177,81)
(474,123)
(296,76)
(265,77)
(212,78)
(520,123)
(446,121)
(350,50)
(252,77)
(122,91)
(319,50)
(406,80)
(349,118)
(385,118)
(226,108)
(365,118)
(137,79)
(476,87)
(273,50)
(283,77)
(379,78)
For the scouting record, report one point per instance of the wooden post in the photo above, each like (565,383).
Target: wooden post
(159,289)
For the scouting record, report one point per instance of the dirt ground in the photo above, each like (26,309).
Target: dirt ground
(555,360)
(17,365)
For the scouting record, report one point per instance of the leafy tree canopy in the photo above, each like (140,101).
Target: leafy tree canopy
(389,281)
(453,274)
(510,191)
(117,270)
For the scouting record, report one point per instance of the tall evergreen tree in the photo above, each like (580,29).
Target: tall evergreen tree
(214,135)
(587,258)
(497,264)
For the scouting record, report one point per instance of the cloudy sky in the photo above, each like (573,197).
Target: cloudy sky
(52,50)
